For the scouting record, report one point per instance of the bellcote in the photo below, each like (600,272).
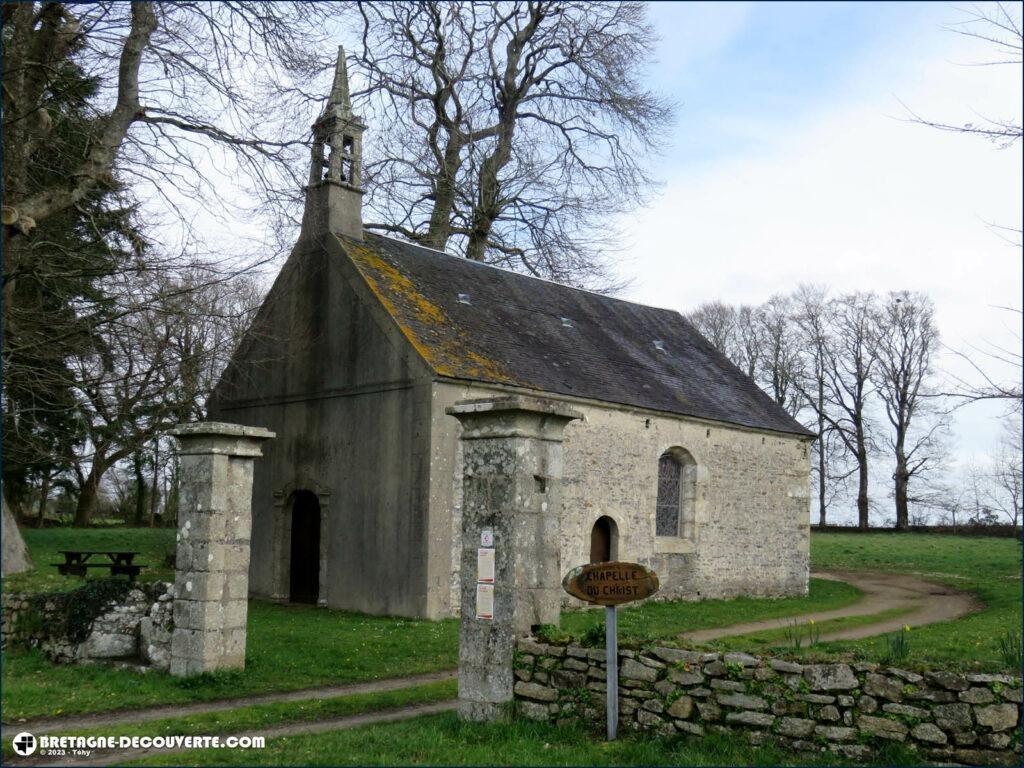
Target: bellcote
(334,195)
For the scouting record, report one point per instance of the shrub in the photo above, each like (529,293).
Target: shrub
(593,637)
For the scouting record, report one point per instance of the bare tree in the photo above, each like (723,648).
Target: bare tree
(512,131)
(903,339)
(1004,491)
(780,359)
(847,367)
(980,358)
(810,314)
(151,370)
(1000,26)
(716,322)
(107,107)
(173,85)
(748,353)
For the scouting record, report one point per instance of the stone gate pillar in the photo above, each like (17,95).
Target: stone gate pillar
(512,497)
(211,579)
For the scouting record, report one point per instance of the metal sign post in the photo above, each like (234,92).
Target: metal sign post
(611,645)
(610,585)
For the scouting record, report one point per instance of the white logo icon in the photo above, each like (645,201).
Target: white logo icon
(24,744)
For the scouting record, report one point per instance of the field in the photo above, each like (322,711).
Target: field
(294,647)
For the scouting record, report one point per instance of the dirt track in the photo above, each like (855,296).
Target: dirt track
(927,602)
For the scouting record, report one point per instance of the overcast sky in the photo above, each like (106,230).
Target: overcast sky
(791,161)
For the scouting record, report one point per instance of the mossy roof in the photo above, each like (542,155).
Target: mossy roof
(527,332)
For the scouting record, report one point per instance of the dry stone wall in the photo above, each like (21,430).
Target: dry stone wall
(849,709)
(134,627)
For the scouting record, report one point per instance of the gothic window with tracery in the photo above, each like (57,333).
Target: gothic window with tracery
(677,494)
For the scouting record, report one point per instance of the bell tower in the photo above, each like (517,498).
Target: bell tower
(334,196)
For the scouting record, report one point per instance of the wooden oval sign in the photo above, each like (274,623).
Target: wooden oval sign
(611,583)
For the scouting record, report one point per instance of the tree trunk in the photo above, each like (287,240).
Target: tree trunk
(88,496)
(44,496)
(440,229)
(862,477)
(863,521)
(153,493)
(821,450)
(140,488)
(901,479)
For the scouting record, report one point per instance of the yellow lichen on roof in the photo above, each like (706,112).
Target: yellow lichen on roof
(435,338)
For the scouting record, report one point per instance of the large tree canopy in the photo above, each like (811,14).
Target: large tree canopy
(510,132)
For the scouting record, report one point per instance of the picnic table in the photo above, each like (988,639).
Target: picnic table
(77,562)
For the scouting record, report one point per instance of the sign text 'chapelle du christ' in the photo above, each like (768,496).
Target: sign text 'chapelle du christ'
(611,584)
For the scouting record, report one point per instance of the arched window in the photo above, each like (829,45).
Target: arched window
(604,540)
(677,494)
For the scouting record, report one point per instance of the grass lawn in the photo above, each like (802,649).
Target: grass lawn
(153,544)
(293,647)
(776,639)
(988,567)
(444,740)
(665,621)
(289,647)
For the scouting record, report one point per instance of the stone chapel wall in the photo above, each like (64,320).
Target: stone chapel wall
(752,508)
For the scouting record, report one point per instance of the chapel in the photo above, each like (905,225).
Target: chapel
(680,461)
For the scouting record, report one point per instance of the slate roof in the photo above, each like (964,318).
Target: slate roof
(533,333)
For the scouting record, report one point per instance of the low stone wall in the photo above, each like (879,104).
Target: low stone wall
(101,621)
(846,708)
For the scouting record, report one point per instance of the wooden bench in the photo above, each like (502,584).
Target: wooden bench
(119,562)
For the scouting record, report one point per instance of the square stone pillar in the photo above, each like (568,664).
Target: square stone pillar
(211,579)
(512,471)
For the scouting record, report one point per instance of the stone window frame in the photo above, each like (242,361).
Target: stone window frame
(282,533)
(685,540)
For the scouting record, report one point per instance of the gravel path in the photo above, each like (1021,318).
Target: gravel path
(926,602)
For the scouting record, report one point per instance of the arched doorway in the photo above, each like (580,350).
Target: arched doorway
(304,582)
(604,540)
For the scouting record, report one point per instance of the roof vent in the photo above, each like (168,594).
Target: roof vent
(464,298)
(659,345)
(567,322)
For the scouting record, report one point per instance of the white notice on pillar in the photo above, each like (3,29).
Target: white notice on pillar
(487,538)
(485,566)
(485,601)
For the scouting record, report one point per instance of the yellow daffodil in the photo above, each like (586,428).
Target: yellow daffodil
(906,627)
